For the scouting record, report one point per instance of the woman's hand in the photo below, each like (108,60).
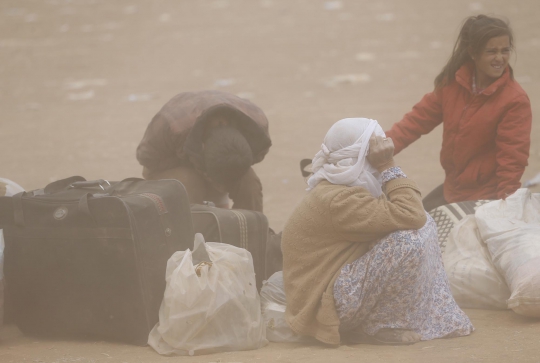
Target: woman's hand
(381,153)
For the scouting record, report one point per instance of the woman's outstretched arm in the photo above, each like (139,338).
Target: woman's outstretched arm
(424,117)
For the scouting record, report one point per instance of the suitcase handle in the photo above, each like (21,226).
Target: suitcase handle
(83,202)
(90,184)
(101,183)
(111,189)
(61,185)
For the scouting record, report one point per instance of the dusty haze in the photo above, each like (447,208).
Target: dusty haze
(81,79)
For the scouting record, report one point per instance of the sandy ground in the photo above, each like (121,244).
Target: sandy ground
(81,79)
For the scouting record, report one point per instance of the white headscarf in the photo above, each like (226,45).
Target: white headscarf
(342,158)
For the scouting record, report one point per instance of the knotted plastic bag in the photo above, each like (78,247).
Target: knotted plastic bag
(210,304)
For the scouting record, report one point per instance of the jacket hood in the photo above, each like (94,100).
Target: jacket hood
(464,77)
(250,121)
(175,134)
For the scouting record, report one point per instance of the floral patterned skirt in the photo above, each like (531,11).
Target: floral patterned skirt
(400,283)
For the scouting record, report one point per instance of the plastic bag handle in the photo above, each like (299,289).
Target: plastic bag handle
(200,254)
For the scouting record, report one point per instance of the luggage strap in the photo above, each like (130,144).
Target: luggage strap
(70,233)
(242,228)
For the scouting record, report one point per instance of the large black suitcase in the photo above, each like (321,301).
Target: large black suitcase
(241,228)
(89,258)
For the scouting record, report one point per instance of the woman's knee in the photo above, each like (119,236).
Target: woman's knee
(410,241)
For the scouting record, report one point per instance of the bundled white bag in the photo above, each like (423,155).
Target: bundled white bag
(273,304)
(211,302)
(474,281)
(1,277)
(511,230)
(8,188)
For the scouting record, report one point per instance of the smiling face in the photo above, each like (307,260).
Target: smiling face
(491,61)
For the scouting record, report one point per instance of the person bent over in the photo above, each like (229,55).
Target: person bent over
(208,141)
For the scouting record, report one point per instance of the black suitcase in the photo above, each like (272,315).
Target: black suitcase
(241,228)
(89,258)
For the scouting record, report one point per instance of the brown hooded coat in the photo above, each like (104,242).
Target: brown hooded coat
(174,137)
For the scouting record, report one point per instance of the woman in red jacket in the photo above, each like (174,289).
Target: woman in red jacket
(486,117)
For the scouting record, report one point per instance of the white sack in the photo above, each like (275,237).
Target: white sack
(273,304)
(12,188)
(215,312)
(511,230)
(474,281)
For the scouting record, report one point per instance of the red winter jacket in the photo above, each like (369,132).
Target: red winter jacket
(486,137)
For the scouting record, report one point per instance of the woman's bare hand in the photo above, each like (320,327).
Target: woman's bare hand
(381,152)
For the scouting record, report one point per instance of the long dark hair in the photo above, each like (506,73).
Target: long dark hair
(473,37)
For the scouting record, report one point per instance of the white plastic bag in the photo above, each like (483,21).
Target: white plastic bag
(11,188)
(211,307)
(1,277)
(474,281)
(273,304)
(1,255)
(511,230)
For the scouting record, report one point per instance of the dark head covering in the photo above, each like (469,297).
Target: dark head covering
(175,135)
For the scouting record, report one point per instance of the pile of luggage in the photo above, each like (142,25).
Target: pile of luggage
(95,259)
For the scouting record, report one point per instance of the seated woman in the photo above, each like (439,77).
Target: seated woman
(361,262)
